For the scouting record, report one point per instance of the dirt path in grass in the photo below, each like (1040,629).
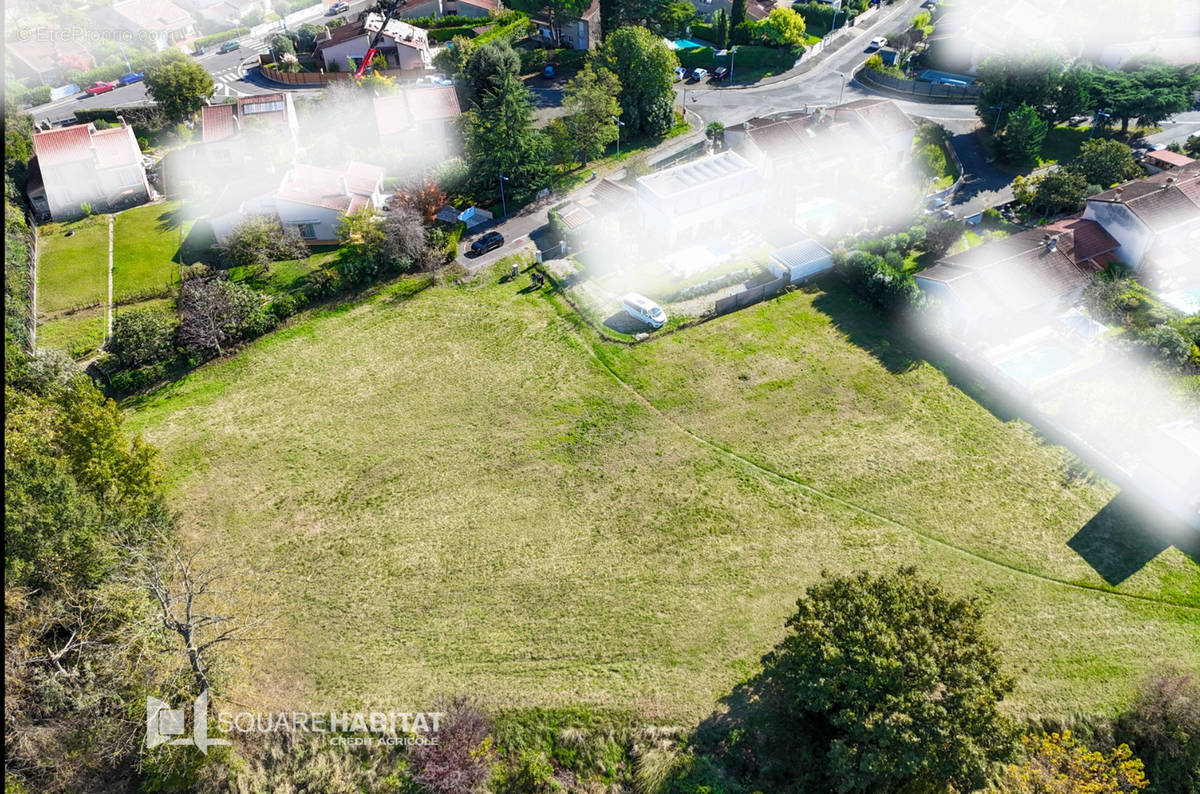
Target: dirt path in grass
(108,320)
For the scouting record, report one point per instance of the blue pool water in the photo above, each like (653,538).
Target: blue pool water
(1035,364)
(683,44)
(1186,300)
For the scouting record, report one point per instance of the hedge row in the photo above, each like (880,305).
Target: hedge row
(222,36)
(447,33)
(509,30)
(38,95)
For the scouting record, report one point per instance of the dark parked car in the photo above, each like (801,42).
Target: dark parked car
(337,8)
(230,46)
(720,73)
(132,77)
(488,242)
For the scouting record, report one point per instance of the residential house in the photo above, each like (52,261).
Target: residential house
(699,197)
(1032,274)
(158,21)
(800,260)
(1164,160)
(222,127)
(403,45)
(310,199)
(883,122)
(579,33)
(224,13)
(418,119)
(471,9)
(1154,219)
(47,55)
(81,164)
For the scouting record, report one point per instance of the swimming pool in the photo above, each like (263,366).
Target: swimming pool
(683,44)
(1186,300)
(1036,364)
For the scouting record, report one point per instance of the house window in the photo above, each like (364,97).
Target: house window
(263,107)
(307,230)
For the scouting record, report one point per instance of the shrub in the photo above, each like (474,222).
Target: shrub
(143,336)
(1163,727)
(1163,344)
(571,59)
(260,240)
(38,95)
(880,283)
(222,36)
(461,761)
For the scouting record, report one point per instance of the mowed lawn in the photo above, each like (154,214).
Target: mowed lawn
(79,334)
(451,494)
(145,245)
(72,264)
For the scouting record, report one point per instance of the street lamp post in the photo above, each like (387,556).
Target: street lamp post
(999,112)
(843,89)
(619,124)
(1096,120)
(503,202)
(732,52)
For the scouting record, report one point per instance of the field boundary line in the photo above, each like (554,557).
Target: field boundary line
(864,510)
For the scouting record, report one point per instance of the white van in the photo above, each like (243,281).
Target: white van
(642,308)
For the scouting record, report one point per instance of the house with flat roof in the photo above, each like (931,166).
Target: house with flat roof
(80,165)
(1153,218)
(1164,160)
(404,46)
(698,198)
(800,260)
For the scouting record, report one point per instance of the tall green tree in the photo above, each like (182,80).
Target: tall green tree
(737,13)
(1061,190)
(1022,135)
(501,140)
(490,63)
(1026,79)
(782,27)
(647,67)
(890,683)
(721,27)
(1106,162)
(179,87)
(672,18)
(590,99)
(1075,95)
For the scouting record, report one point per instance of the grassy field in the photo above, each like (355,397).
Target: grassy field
(289,274)
(461,492)
(72,270)
(145,244)
(79,334)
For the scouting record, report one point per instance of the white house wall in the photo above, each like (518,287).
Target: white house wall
(1124,227)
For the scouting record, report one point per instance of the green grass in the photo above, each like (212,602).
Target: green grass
(145,245)
(1062,145)
(456,492)
(288,274)
(72,271)
(79,335)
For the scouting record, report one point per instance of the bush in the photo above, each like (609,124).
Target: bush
(143,336)
(222,37)
(881,283)
(1163,728)
(461,761)
(532,61)
(260,240)
(39,95)
(571,59)
(133,380)
(1163,344)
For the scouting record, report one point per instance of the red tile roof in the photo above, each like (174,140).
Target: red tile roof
(1081,239)
(65,145)
(217,122)
(1167,157)
(883,116)
(116,147)
(325,187)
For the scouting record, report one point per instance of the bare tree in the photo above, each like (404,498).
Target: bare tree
(212,313)
(183,596)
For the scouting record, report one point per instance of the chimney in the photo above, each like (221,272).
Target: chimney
(1052,243)
(345,185)
(1118,193)
(122,120)
(1169,183)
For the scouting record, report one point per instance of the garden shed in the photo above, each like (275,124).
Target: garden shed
(800,260)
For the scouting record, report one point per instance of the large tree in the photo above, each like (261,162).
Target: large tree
(1106,162)
(1058,763)
(501,140)
(590,100)
(889,682)
(782,27)
(1031,79)
(179,86)
(1023,134)
(647,68)
(721,27)
(1149,95)
(489,64)
(737,13)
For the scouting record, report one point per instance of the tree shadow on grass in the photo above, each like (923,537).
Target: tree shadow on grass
(1125,535)
(891,345)
(170,220)
(199,246)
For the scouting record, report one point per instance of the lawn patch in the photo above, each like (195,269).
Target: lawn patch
(72,264)
(146,243)
(79,335)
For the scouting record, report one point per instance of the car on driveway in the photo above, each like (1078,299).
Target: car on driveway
(132,77)
(100,87)
(642,308)
(699,74)
(720,73)
(229,46)
(487,242)
(196,53)
(876,43)
(680,73)
(337,8)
